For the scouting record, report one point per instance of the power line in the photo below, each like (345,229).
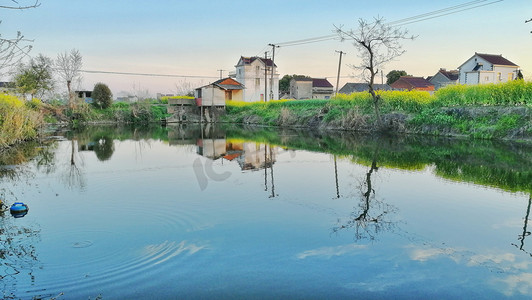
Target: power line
(145,74)
(417,18)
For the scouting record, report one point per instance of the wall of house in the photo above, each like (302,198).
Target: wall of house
(505,73)
(468,67)
(439,80)
(238,95)
(322,93)
(212,96)
(300,89)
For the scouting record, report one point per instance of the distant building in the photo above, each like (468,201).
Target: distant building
(7,87)
(310,88)
(250,72)
(352,87)
(487,68)
(410,83)
(86,96)
(444,77)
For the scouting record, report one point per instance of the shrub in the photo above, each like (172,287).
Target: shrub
(102,96)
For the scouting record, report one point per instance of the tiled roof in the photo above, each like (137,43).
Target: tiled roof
(228,84)
(351,87)
(496,59)
(321,82)
(249,60)
(451,74)
(414,82)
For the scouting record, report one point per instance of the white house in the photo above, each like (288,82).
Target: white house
(250,72)
(487,68)
(216,93)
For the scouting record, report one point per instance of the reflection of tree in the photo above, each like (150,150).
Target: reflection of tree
(370,218)
(18,255)
(73,175)
(104,148)
(525,233)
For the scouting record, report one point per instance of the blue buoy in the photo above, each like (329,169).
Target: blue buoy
(18,209)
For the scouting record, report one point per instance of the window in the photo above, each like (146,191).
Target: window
(510,76)
(257,81)
(487,78)
(500,76)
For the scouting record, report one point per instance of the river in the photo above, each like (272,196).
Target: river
(185,212)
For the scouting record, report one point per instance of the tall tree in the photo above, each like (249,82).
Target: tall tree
(102,96)
(377,44)
(12,50)
(393,75)
(35,78)
(68,66)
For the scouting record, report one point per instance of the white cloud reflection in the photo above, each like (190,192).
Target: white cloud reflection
(518,283)
(159,253)
(329,252)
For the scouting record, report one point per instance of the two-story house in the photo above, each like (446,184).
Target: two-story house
(310,88)
(487,68)
(253,73)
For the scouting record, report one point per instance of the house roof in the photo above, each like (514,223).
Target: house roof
(414,82)
(496,59)
(227,83)
(321,82)
(452,75)
(248,60)
(352,87)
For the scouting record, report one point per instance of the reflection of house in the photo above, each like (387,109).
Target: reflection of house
(256,156)
(410,83)
(249,155)
(310,88)
(352,87)
(211,148)
(86,96)
(444,77)
(487,68)
(250,72)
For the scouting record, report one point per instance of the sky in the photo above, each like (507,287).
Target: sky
(195,39)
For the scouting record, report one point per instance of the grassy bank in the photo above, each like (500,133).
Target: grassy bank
(19,120)
(83,113)
(496,111)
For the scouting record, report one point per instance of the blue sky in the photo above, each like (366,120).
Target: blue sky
(200,37)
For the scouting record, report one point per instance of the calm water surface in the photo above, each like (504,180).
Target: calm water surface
(180,213)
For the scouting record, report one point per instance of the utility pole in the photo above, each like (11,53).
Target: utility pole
(220,73)
(338,77)
(273,69)
(265,77)
(382,77)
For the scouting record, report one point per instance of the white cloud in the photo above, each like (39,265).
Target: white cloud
(519,283)
(329,252)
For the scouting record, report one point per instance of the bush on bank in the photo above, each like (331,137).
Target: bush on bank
(19,120)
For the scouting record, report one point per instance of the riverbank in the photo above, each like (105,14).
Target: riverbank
(500,112)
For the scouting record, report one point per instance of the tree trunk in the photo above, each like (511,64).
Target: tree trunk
(69,95)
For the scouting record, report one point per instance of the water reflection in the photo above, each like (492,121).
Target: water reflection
(242,234)
(372,216)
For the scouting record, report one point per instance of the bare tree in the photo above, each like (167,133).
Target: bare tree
(68,66)
(377,44)
(12,50)
(18,5)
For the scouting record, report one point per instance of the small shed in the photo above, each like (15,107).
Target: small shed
(216,93)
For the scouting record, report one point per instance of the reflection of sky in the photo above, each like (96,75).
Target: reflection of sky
(142,215)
